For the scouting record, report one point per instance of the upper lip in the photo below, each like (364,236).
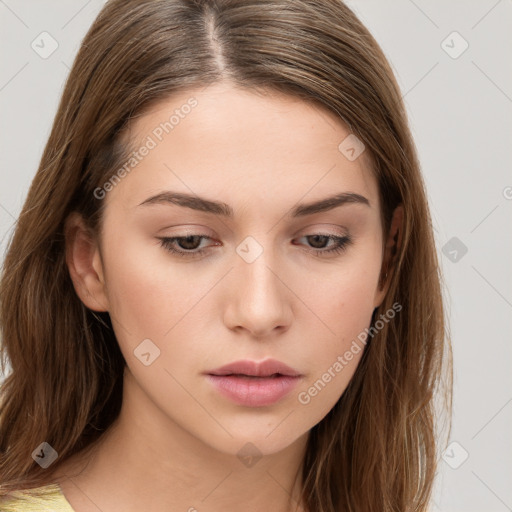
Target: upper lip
(256,369)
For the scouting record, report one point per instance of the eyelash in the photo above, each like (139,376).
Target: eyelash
(342,242)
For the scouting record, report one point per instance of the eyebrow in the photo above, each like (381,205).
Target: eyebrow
(219,208)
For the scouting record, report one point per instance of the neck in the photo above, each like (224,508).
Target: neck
(146,457)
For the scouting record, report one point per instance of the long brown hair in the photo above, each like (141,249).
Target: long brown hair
(376,449)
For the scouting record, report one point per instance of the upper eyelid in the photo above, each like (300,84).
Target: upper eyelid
(307,231)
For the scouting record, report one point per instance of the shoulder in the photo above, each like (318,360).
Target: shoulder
(48,498)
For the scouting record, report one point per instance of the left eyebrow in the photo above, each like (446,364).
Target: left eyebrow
(219,208)
(329,203)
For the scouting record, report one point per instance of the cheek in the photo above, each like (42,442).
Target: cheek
(334,356)
(343,296)
(343,304)
(147,295)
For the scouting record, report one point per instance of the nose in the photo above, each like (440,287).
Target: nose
(259,301)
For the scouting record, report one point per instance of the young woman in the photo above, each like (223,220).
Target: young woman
(223,292)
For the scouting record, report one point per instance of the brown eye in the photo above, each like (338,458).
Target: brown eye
(189,243)
(186,246)
(318,243)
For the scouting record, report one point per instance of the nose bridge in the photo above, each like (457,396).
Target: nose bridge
(256,278)
(260,299)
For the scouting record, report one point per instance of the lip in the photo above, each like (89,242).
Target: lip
(254,384)
(264,368)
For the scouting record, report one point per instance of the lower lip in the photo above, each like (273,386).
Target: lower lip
(254,392)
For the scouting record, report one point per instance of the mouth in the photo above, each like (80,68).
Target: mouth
(242,375)
(254,384)
(265,369)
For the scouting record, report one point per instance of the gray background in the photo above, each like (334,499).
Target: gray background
(460,110)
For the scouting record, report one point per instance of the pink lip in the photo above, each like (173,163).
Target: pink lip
(254,384)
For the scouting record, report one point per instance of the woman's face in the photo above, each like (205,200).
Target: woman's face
(259,271)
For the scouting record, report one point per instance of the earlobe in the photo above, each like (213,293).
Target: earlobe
(393,244)
(84,263)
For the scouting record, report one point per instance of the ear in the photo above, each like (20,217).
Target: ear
(393,244)
(84,262)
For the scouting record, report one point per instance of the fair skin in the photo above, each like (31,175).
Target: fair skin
(175,444)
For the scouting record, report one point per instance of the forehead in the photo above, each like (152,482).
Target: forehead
(242,145)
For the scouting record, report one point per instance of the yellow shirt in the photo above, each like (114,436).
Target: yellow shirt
(24,501)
